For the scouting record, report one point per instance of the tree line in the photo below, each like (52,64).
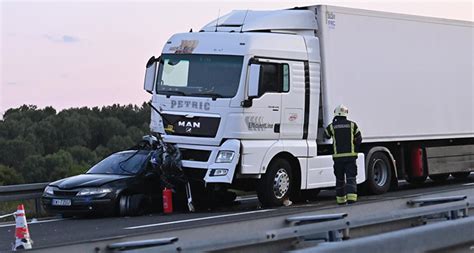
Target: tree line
(42,145)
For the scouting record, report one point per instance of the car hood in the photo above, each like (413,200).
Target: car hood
(88,180)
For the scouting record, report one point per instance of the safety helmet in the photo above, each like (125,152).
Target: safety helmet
(341,110)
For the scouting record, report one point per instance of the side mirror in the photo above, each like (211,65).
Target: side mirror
(254,80)
(150,74)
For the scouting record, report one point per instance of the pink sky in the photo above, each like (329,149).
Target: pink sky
(92,53)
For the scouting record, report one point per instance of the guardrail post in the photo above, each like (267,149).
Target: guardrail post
(37,207)
(329,236)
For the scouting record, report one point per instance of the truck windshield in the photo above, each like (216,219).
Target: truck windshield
(214,76)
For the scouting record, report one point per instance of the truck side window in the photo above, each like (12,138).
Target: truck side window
(274,78)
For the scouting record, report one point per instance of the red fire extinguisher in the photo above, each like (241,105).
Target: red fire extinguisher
(167,201)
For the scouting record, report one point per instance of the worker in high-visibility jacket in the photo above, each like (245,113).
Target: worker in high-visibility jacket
(346,138)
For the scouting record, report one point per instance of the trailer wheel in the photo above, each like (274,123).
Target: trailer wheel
(439,177)
(379,173)
(275,185)
(461,175)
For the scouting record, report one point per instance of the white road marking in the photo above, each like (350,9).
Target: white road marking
(29,223)
(469,184)
(199,219)
(246,198)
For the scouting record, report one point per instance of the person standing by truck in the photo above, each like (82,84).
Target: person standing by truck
(346,137)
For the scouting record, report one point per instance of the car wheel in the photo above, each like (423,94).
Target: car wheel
(439,177)
(379,174)
(124,205)
(275,185)
(131,205)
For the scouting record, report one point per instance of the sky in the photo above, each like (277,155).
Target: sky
(93,53)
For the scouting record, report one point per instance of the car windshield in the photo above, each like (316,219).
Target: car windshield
(123,163)
(216,76)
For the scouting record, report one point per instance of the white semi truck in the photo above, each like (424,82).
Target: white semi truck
(247,98)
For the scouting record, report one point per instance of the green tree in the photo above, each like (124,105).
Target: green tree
(118,143)
(41,145)
(34,169)
(9,176)
(82,155)
(13,152)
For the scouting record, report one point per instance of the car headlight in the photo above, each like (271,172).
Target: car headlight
(225,156)
(49,190)
(93,191)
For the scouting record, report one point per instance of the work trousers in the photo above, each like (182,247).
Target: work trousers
(345,170)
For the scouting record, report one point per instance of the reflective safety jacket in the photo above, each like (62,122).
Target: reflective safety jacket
(346,136)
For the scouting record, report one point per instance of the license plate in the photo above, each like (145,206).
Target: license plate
(61,202)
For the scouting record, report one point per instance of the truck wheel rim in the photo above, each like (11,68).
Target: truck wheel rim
(281,183)
(380,172)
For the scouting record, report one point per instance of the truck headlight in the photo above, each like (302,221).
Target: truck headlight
(49,190)
(225,156)
(218,172)
(93,191)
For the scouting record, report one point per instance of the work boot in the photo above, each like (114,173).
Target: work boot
(341,200)
(351,198)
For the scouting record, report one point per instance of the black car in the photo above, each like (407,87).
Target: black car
(124,183)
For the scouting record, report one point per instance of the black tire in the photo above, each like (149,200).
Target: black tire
(461,175)
(439,177)
(379,174)
(278,174)
(131,205)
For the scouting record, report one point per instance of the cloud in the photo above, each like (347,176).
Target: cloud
(70,39)
(62,39)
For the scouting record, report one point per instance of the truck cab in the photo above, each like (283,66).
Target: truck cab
(241,99)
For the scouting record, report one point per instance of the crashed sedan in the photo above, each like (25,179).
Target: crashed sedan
(122,184)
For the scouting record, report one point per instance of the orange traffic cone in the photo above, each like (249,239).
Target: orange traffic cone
(22,235)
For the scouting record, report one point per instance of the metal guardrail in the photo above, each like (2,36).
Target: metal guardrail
(23,192)
(438,236)
(331,230)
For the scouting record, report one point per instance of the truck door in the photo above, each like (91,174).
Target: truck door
(292,100)
(264,116)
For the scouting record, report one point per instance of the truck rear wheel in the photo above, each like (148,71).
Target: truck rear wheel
(379,173)
(275,185)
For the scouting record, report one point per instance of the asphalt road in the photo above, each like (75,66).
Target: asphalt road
(54,231)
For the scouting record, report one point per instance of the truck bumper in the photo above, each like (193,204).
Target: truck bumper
(205,158)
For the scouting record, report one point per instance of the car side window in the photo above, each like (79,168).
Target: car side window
(274,78)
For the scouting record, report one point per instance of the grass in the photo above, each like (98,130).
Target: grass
(7,207)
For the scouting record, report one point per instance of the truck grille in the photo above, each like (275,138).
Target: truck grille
(195,155)
(195,127)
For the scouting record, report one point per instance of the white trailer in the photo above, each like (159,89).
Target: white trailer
(248,96)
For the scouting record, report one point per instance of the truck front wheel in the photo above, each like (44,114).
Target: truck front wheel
(379,173)
(275,185)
